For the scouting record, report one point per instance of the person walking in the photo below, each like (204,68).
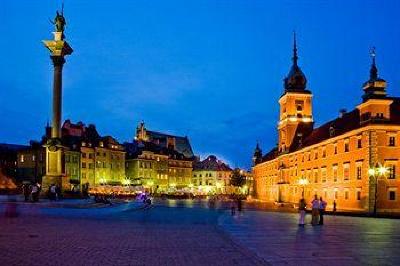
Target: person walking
(315,210)
(302,211)
(322,207)
(233,208)
(334,207)
(52,192)
(27,191)
(35,193)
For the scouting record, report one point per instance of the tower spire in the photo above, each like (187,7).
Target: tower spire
(375,87)
(373,73)
(295,57)
(295,80)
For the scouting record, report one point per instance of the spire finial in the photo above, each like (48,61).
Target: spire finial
(295,57)
(374,70)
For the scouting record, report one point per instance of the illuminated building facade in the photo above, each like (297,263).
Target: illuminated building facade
(98,160)
(212,176)
(159,162)
(87,158)
(352,159)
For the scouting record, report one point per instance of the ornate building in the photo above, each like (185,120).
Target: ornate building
(177,143)
(352,159)
(159,162)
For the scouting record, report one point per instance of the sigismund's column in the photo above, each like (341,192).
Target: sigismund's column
(59,48)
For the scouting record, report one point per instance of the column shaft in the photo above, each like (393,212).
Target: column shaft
(58,62)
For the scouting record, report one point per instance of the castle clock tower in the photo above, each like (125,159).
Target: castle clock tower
(295,118)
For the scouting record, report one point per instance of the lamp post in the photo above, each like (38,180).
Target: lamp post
(376,171)
(303,182)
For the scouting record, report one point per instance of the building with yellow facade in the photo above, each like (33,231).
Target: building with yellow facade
(352,160)
(101,158)
(159,162)
(88,158)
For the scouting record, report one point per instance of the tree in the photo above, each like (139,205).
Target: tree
(237,178)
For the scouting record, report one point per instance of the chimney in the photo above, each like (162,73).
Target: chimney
(342,112)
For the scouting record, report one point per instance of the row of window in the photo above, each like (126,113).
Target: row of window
(391,173)
(145,165)
(71,158)
(101,165)
(347,194)
(23,158)
(209,175)
(211,182)
(317,175)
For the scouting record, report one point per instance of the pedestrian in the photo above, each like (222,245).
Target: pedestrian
(239,204)
(302,211)
(57,194)
(334,207)
(315,210)
(35,192)
(85,190)
(53,193)
(322,207)
(233,208)
(27,191)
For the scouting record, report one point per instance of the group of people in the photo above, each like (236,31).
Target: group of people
(146,199)
(31,192)
(102,198)
(318,207)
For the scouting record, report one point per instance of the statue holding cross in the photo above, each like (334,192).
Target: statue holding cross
(59,22)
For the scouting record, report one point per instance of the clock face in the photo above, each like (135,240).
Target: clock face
(52,148)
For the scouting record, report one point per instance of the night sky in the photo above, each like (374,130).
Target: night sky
(211,70)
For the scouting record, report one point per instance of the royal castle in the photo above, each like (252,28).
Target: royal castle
(352,160)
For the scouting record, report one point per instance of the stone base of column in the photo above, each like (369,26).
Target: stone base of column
(47,181)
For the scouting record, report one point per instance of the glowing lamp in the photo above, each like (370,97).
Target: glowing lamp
(382,170)
(371,171)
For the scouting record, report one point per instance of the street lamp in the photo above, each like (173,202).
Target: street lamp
(375,172)
(303,182)
(102,181)
(126,182)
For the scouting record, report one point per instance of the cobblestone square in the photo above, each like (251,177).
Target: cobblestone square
(190,234)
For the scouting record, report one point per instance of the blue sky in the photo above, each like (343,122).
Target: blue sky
(211,70)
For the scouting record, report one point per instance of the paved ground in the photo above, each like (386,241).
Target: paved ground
(187,233)
(277,239)
(118,236)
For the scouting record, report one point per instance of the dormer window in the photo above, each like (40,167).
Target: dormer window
(331,131)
